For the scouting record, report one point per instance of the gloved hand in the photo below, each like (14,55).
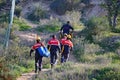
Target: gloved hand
(71,49)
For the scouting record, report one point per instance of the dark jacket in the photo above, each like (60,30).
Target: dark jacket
(66,28)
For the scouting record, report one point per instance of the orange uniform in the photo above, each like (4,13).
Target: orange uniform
(67,46)
(53,46)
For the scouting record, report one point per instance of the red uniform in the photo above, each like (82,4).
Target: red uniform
(62,40)
(38,57)
(53,46)
(37,45)
(53,42)
(67,42)
(67,46)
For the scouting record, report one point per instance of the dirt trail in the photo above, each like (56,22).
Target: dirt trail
(27,76)
(30,75)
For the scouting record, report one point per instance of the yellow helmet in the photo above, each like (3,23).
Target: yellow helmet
(65,34)
(69,36)
(38,38)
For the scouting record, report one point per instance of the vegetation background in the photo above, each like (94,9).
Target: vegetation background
(96,38)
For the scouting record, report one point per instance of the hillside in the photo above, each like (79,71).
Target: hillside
(96,51)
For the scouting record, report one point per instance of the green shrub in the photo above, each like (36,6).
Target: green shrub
(24,27)
(65,67)
(105,74)
(18,10)
(48,28)
(20,24)
(4,16)
(115,57)
(74,18)
(110,43)
(94,27)
(5,70)
(89,31)
(17,60)
(37,14)
(79,48)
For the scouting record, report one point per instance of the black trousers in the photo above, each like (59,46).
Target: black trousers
(64,57)
(53,57)
(38,59)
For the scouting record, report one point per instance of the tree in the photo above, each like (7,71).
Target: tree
(113,8)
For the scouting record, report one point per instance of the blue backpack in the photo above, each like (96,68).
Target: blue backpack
(43,51)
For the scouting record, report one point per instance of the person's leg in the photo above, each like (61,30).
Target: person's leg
(62,57)
(51,59)
(40,63)
(66,55)
(36,61)
(55,58)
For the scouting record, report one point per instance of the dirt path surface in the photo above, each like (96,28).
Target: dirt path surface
(27,76)
(31,75)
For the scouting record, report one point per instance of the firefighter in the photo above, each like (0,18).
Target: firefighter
(38,57)
(53,46)
(66,48)
(66,28)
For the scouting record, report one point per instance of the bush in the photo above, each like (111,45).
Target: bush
(110,43)
(15,62)
(105,74)
(37,14)
(74,18)
(18,10)
(65,67)
(5,70)
(89,31)
(51,26)
(48,28)
(4,16)
(94,27)
(79,48)
(20,24)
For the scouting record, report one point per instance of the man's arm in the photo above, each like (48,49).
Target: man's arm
(71,28)
(31,51)
(59,49)
(61,28)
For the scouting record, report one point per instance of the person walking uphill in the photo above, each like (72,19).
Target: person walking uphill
(66,28)
(53,46)
(66,48)
(38,57)
(63,39)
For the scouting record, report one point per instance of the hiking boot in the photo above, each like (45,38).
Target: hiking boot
(35,71)
(56,61)
(52,65)
(39,69)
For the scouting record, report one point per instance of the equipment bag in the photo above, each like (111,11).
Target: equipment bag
(43,51)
